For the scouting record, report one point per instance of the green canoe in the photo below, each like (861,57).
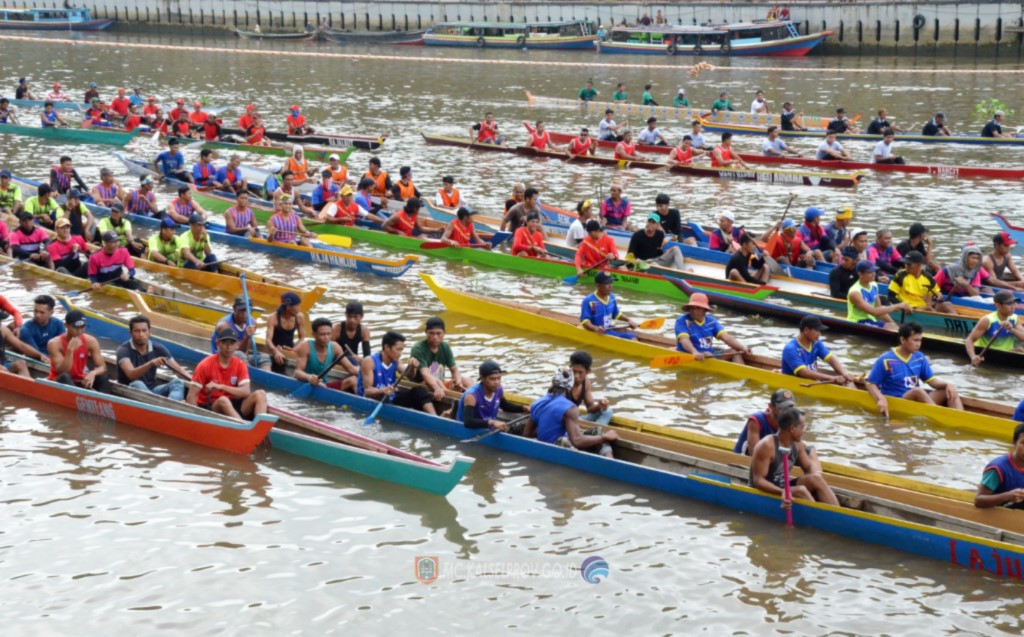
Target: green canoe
(78,135)
(551,268)
(311,153)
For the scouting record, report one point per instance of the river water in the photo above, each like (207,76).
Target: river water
(109,528)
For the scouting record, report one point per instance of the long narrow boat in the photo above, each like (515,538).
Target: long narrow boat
(564,34)
(209,430)
(918,169)
(1016,232)
(279,149)
(414,37)
(82,106)
(682,113)
(319,139)
(768,39)
(788,177)
(987,418)
(66,18)
(70,134)
(945,529)
(864,137)
(308,35)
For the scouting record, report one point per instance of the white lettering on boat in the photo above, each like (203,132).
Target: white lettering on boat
(95,407)
(335,260)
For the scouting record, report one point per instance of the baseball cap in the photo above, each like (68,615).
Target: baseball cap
(788,223)
(295,107)
(783,399)
(464,212)
(655,217)
(728,215)
(845,213)
(74,318)
(914,257)
(117,206)
(106,171)
(74,193)
(682,90)
(250,107)
(1004,296)
(197,104)
(63,221)
(168,223)
(448,179)
(849,252)
(181,100)
(226,334)
(146,179)
(290,298)
(195,217)
(562,378)
(151,99)
(5,173)
(809,322)
(239,303)
(110,235)
(865,266)
(333,156)
(1003,238)
(92,84)
(813,213)
(857,232)
(346,190)
(56,85)
(604,277)
(489,368)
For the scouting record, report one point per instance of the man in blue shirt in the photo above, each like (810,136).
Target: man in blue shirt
(599,311)
(555,419)
(1002,482)
(800,356)
(697,330)
(43,327)
(171,163)
(903,370)
(325,192)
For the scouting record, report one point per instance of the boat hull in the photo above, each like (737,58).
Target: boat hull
(585,42)
(70,134)
(312,154)
(329,141)
(790,47)
(864,137)
(85,25)
(375,37)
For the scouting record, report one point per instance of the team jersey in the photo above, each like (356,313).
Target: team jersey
(235,374)
(795,357)
(702,335)
(895,376)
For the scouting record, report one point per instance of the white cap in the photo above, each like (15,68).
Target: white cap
(999,114)
(728,215)
(333,156)
(297,148)
(857,231)
(682,90)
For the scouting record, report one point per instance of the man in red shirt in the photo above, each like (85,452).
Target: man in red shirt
(220,382)
(297,122)
(596,248)
(175,114)
(119,105)
(198,117)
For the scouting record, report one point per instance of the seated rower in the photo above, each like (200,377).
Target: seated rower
(651,136)
(118,224)
(50,118)
(244,329)
(10,194)
(95,115)
(72,352)
(697,329)
(6,113)
(647,247)
(766,464)
(723,156)
(287,189)
(554,419)
(220,382)
(486,132)
(132,119)
(837,235)
(381,181)
(364,199)
(171,163)
(179,110)
(917,288)
(83,224)
(683,154)
(196,249)
(9,338)
(163,247)
(1001,330)
(966,278)
(616,209)
(842,277)
(697,135)
(936,127)
(539,139)
(607,129)
(774,146)
(882,123)
(448,196)
(460,231)
(339,171)
(790,249)
(23,92)
(285,327)
(842,124)
(480,404)
(230,177)
(670,218)
(726,237)
(581,394)
(198,116)
(723,103)
(27,241)
(57,94)
(138,360)
(182,208)
(112,265)
(296,122)
(832,149)
(885,255)
(801,354)
(63,174)
(298,165)
(1002,481)
(68,252)
(901,372)
(240,219)
(813,233)
(882,154)
(762,424)
(599,311)
(528,240)
(324,193)
(404,188)
(759,104)
(379,373)
(577,231)
(582,144)
(625,150)
(35,334)
(108,190)
(344,211)
(999,262)
(204,172)
(213,129)
(247,118)
(515,217)
(407,221)
(864,302)
(994,127)
(353,336)
(596,249)
(256,133)
(285,226)
(747,263)
(434,357)
(182,126)
(315,356)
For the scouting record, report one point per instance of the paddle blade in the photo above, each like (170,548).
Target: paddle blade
(369,420)
(671,360)
(571,280)
(653,324)
(500,237)
(433,245)
(302,392)
(335,240)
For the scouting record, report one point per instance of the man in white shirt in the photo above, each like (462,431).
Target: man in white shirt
(608,130)
(577,229)
(775,147)
(651,136)
(831,149)
(696,136)
(882,154)
(759,105)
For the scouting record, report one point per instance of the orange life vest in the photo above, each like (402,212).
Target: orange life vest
(450,201)
(576,147)
(726,155)
(540,142)
(404,192)
(488,132)
(462,232)
(683,157)
(339,176)
(296,122)
(404,223)
(245,121)
(380,183)
(299,170)
(625,151)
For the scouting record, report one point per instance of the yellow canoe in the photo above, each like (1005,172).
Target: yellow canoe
(986,418)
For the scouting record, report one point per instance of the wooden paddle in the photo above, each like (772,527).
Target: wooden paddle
(574,279)
(248,316)
(984,351)
(335,240)
(785,485)
(774,239)
(307,388)
(491,432)
(380,403)
(651,324)
(438,245)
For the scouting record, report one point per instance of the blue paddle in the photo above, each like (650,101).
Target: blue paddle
(574,279)
(307,388)
(380,403)
(248,317)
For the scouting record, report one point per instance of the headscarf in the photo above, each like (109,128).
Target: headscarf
(960,269)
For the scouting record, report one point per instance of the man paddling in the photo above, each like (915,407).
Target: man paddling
(767,472)
(554,419)
(407,221)
(313,356)
(762,424)
(353,336)
(164,247)
(112,265)
(842,124)
(581,394)
(616,209)
(43,207)
(71,354)
(994,127)
(171,162)
(723,103)
(139,359)
(107,191)
(486,132)
(607,129)
(285,226)
(64,176)
(448,195)
(517,215)
(599,311)
(647,247)
(196,247)
(774,146)
(10,194)
(625,150)
(461,231)
(325,192)
(142,201)
(538,138)
(651,136)
(684,153)
(27,242)
(220,382)
(404,188)
(296,122)
(577,231)
(801,354)
(69,252)
(230,176)
(528,240)
(595,249)
(434,360)
(832,149)
(1002,481)
(83,223)
(936,127)
(240,219)
(50,118)
(1000,263)
(864,300)
(379,374)
(747,263)
(480,405)
(916,287)
(285,326)
(837,235)
(882,154)
(9,339)
(588,93)
(882,123)
(884,254)
(582,144)
(1000,330)
(903,372)
(723,156)
(697,329)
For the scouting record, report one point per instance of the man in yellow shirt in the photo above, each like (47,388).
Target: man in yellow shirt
(915,287)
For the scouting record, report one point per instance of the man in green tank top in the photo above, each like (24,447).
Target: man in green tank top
(120,226)
(1001,328)
(314,356)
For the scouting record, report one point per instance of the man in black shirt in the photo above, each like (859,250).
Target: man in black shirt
(645,246)
(921,241)
(994,126)
(671,221)
(841,123)
(739,266)
(881,123)
(843,276)
(788,118)
(138,359)
(22,92)
(936,127)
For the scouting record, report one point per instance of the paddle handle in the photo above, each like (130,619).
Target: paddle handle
(993,340)
(785,485)
(248,317)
